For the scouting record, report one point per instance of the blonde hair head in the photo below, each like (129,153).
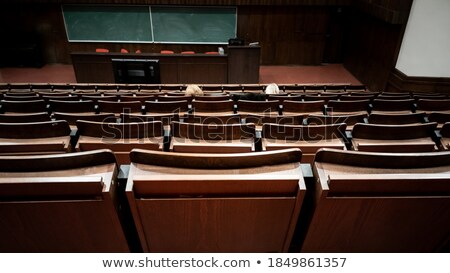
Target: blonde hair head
(194,90)
(272,89)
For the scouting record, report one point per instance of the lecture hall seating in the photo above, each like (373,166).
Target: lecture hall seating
(380,202)
(349,120)
(308,138)
(213,107)
(394,138)
(60,204)
(121,138)
(213,119)
(215,202)
(48,137)
(212,138)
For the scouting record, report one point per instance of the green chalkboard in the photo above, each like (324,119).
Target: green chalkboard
(146,24)
(193,24)
(85,23)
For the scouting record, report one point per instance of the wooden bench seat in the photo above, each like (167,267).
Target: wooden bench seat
(215,202)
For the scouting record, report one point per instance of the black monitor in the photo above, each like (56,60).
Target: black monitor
(136,71)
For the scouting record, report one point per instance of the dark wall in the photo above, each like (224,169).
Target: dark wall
(289,32)
(373,35)
(36,23)
(370,49)
(365,35)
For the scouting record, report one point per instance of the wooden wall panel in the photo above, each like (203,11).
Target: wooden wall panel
(373,36)
(21,22)
(287,35)
(399,82)
(371,49)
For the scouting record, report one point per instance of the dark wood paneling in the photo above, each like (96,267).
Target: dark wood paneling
(393,12)
(399,82)
(93,70)
(371,49)
(287,35)
(290,32)
(243,64)
(174,68)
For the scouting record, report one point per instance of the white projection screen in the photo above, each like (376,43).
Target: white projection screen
(425,50)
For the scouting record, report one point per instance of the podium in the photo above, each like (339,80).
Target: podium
(243,64)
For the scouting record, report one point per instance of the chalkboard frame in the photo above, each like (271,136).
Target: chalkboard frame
(151,30)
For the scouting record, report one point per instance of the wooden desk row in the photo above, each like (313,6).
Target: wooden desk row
(247,202)
(57,137)
(239,65)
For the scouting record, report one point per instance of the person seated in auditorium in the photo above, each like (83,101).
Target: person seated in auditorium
(193,90)
(271,89)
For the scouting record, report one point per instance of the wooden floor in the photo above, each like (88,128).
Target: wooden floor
(63,73)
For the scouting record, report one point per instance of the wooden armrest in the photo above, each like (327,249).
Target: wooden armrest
(417,184)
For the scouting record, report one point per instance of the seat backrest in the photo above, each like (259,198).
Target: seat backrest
(358,97)
(285,96)
(314,88)
(166,106)
(445,131)
(166,119)
(433,105)
(60,98)
(19,98)
(324,97)
(429,96)
(120,130)
(335,87)
(258,106)
(347,106)
(120,107)
(234,188)
(303,107)
(214,119)
(21,93)
(392,105)
(24,118)
(32,106)
(261,119)
(87,106)
(72,118)
(213,97)
(32,130)
(40,196)
(175,98)
(393,132)
(213,106)
(397,118)
(333,119)
(386,97)
(439,117)
(301,132)
(96,98)
(213,131)
(355,190)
